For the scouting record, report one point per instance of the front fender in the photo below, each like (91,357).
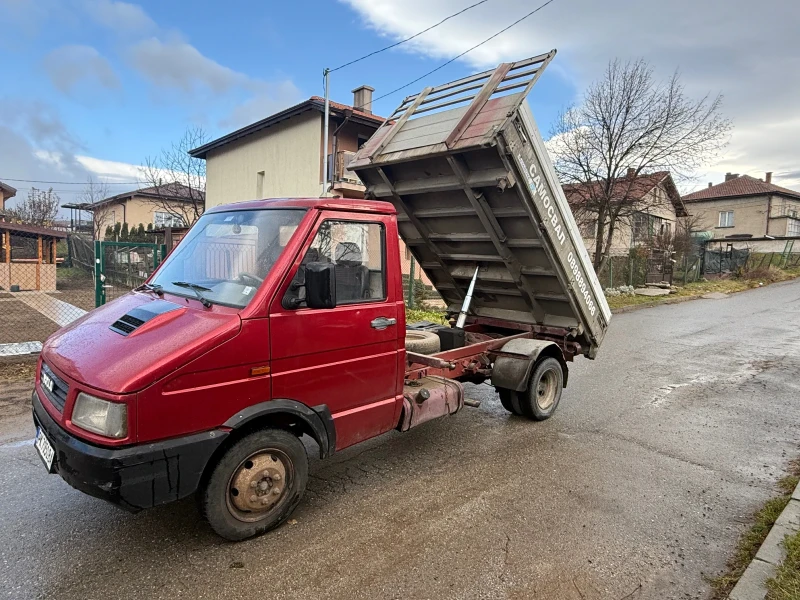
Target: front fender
(513,372)
(317,420)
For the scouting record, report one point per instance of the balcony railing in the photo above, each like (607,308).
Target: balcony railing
(338,170)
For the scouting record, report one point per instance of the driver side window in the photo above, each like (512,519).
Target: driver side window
(357,251)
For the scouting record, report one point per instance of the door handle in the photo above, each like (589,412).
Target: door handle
(382,323)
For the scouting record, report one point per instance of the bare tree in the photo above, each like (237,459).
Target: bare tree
(39,208)
(627,125)
(178,179)
(94,192)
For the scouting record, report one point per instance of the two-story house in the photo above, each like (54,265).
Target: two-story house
(743,206)
(652,207)
(282,155)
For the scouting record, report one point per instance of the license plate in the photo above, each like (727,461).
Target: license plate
(45,450)
(47,382)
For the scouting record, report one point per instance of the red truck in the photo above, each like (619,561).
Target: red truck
(277,319)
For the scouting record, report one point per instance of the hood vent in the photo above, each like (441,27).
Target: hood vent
(131,321)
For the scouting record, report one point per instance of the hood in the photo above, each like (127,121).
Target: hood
(126,345)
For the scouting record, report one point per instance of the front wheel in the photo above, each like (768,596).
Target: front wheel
(256,485)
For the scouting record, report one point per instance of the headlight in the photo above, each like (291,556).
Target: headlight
(100,416)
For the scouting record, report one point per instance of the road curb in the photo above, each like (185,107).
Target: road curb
(632,307)
(752,584)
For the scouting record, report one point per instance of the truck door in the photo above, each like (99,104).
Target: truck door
(346,357)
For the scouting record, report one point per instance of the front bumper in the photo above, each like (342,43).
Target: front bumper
(135,477)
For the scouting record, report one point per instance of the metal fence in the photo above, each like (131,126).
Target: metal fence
(123,266)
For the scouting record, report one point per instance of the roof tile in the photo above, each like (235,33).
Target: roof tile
(739,186)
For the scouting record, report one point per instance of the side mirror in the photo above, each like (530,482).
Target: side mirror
(320,285)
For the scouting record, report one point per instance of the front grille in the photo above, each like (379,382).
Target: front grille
(60,389)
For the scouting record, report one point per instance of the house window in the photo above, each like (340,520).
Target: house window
(726,218)
(260,185)
(793,229)
(165,219)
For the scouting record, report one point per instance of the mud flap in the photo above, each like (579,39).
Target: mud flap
(513,372)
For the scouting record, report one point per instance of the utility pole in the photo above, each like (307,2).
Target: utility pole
(326,73)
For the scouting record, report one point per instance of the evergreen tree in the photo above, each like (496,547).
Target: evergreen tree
(140,234)
(124,235)
(109,233)
(117,229)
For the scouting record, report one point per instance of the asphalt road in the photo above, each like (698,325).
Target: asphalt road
(637,488)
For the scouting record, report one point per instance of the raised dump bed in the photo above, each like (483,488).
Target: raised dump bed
(474,187)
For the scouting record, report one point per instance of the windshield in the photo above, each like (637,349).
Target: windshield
(227,255)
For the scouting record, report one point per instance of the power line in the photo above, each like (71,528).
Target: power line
(71,182)
(408,39)
(455,58)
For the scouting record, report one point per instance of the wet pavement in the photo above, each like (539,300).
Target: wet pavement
(637,488)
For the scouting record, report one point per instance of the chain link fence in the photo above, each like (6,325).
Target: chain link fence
(40,291)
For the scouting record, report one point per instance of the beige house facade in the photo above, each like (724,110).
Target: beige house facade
(282,156)
(743,206)
(168,206)
(655,207)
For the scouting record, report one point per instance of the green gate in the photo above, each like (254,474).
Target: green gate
(121,266)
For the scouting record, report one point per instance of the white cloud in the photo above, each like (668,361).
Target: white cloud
(179,65)
(119,16)
(735,48)
(110,170)
(69,65)
(267,98)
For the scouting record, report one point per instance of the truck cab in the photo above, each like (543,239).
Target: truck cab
(222,342)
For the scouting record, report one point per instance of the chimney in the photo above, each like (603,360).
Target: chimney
(768,178)
(362,98)
(631,172)
(710,184)
(729,176)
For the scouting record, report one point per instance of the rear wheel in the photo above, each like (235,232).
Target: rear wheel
(256,484)
(540,400)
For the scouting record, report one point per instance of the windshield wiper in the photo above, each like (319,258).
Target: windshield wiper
(196,289)
(150,287)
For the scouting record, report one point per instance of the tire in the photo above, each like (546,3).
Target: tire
(540,400)
(261,462)
(507,400)
(422,342)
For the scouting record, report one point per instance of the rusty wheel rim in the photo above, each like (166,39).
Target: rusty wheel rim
(546,389)
(258,485)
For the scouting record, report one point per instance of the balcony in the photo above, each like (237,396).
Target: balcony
(344,182)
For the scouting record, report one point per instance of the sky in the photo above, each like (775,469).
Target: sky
(94,87)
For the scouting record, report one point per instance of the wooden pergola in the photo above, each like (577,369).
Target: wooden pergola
(33,272)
